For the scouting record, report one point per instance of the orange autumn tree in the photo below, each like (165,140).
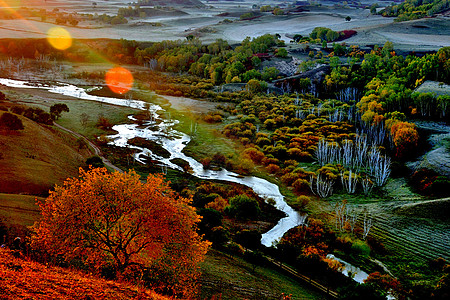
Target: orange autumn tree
(405,137)
(114,219)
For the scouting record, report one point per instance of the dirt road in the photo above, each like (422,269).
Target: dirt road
(96,149)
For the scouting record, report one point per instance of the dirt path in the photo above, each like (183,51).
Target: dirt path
(97,150)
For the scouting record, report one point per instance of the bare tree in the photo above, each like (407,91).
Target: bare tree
(352,217)
(349,182)
(367,185)
(327,153)
(373,159)
(336,116)
(382,170)
(341,216)
(367,224)
(321,186)
(164,169)
(347,153)
(361,148)
(193,128)
(322,152)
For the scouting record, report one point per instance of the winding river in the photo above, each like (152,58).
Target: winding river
(161,131)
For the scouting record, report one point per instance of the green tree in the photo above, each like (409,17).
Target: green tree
(373,9)
(282,52)
(57,109)
(256,61)
(243,207)
(270,74)
(255,86)
(297,38)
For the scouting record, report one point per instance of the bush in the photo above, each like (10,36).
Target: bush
(234,248)
(95,161)
(218,236)
(18,110)
(282,52)
(273,169)
(243,207)
(210,218)
(11,122)
(57,109)
(247,16)
(104,123)
(360,248)
(38,115)
(301,202)
(429,182)
(248,238)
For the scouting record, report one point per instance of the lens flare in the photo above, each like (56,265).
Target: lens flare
(59,38)
(119,80)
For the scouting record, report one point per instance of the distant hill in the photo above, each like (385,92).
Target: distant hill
(172,3)
(36,158)
(24,279)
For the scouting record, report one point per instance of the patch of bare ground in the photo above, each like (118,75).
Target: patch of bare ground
(438,88)
(183,104)
(438,158)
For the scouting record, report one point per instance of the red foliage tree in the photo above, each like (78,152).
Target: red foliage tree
(115,219)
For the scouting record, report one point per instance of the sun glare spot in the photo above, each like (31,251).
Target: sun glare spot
(119,80)
(59,38)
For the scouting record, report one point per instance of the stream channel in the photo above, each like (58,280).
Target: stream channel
(160,130)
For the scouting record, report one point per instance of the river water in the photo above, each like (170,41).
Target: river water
(160,130)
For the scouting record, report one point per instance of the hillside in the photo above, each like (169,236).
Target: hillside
(36,158)
(23,279)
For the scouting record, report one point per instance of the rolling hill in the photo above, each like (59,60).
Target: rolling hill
(33,160)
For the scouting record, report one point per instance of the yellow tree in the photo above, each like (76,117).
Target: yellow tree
(114,219)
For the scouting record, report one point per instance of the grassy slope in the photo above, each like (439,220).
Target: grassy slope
(410,227)
(36,158)
(72,120)
(19,209)
(22,279)
(115,114)
(234,278)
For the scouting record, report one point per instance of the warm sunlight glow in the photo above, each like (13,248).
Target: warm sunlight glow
(119,80)
(59,38)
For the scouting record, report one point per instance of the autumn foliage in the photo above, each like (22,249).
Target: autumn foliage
(405,137)
(114,220)
(26,279)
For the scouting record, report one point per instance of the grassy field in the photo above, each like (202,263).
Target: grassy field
(72,119)
(19,209)
(234,278)
(207,139)
(407,224)
(434,87)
